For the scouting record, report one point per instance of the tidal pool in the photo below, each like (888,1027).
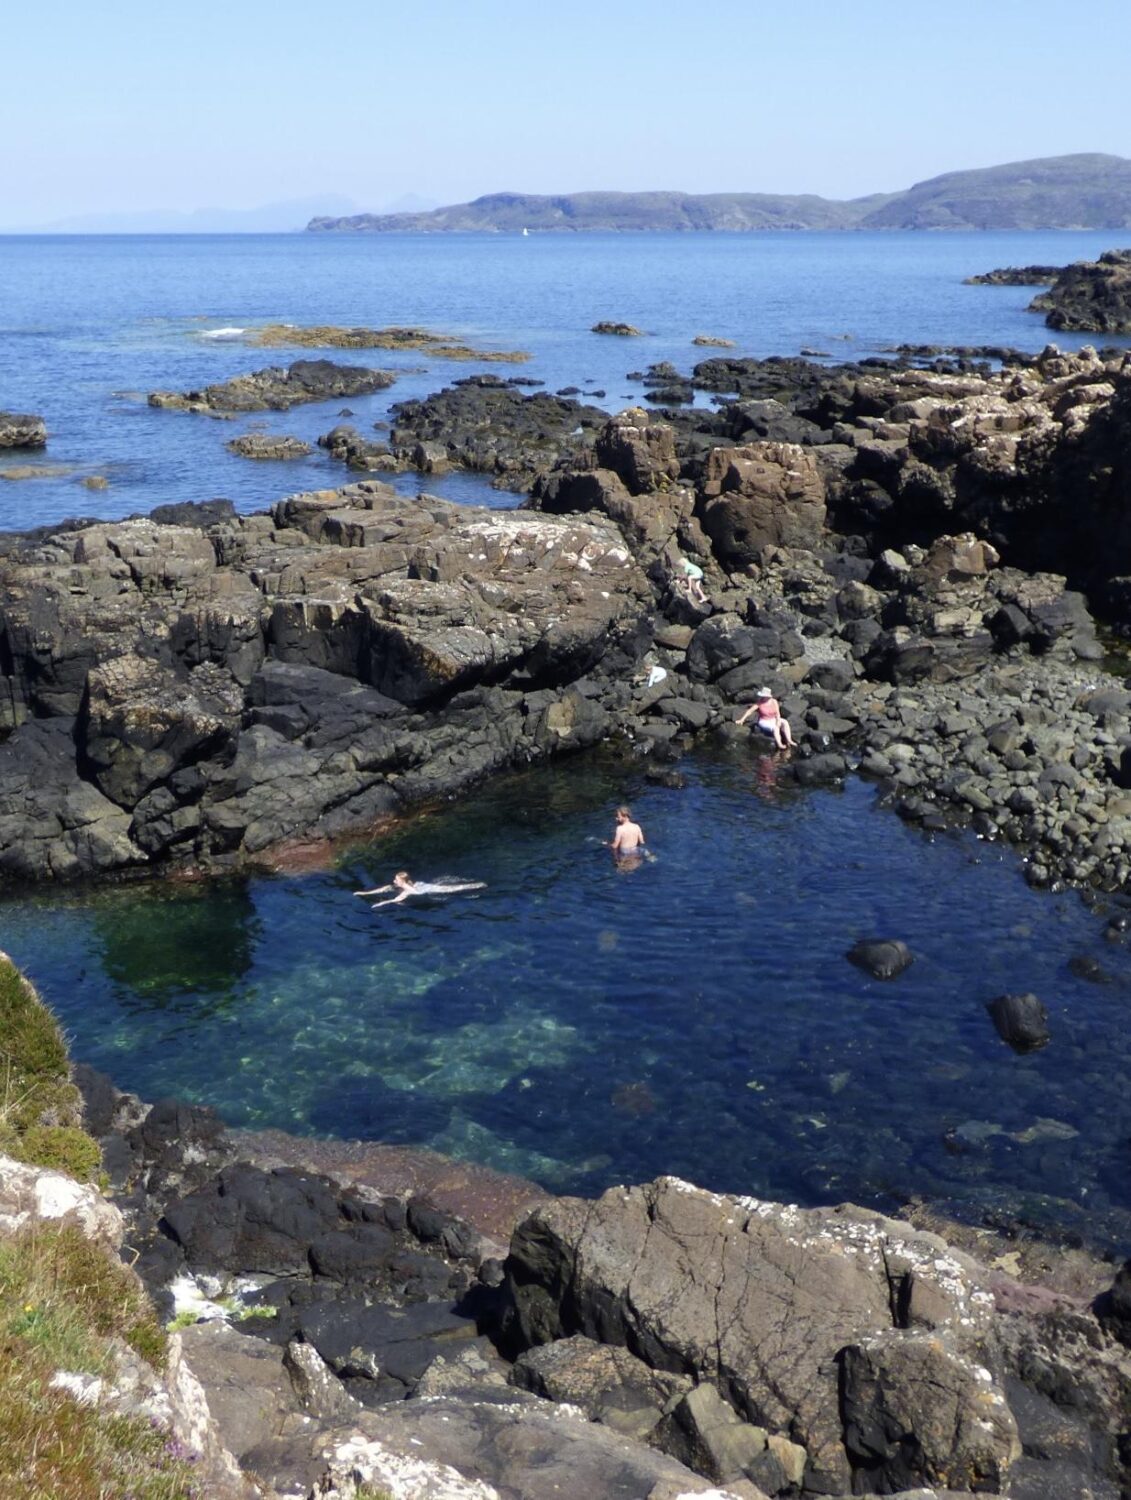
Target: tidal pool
(586,1024)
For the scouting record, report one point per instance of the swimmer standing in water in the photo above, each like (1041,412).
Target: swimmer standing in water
(628,839)
(405,886)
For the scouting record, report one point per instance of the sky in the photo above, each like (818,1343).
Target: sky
(131,105)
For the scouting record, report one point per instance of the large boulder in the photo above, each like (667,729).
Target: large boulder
(765,1302)
(639,450)
(763,494)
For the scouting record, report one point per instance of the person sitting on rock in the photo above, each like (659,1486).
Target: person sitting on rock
(770,721)
(691,581)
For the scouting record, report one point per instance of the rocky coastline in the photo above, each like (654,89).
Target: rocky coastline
(349,1314)
(1089,296)
(898,550)
(909,555)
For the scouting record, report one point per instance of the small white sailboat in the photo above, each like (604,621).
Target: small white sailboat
(526,231)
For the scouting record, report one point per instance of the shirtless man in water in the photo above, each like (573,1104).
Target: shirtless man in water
(629,836)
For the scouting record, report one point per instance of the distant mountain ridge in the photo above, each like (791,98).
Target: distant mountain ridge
(1089,190)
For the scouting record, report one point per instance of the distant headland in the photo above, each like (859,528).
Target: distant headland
(1086,191)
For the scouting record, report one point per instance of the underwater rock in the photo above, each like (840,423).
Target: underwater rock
(1020,1020)
(883,958)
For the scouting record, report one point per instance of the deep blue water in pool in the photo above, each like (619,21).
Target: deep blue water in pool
(586,1025)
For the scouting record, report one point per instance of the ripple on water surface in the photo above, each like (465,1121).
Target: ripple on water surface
(584,1024)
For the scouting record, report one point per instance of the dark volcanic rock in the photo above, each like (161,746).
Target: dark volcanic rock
(22,431)
(1020,1020)
(276,388)
(487,424)
(203,692)
(1090,296)
(883,958)
(1016,276)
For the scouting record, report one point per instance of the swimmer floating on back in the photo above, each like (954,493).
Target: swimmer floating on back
(405,886)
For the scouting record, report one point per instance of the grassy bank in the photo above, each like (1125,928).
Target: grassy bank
(65,1301)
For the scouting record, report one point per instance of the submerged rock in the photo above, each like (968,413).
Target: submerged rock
(883,958)
(1020,1020)
(331,336)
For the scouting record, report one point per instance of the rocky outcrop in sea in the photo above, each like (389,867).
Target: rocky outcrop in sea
(1090,296)
(1015,276)
(22,430)
(277,388)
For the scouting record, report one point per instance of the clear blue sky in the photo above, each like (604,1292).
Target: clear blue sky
(130,105)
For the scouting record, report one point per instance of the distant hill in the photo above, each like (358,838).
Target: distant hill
(1086,191)
(271,218)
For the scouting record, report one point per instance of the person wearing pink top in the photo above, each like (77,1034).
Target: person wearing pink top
(770,721)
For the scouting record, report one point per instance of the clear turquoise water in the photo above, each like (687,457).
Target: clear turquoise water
(586,1025)
(89,324)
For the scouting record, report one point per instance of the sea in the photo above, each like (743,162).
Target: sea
(572,1021)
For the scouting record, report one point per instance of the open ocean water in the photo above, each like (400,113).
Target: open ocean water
(573,1022)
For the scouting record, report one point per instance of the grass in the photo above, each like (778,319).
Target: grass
(64,1299)
(40,1108)
(54,1448)
(66,1296)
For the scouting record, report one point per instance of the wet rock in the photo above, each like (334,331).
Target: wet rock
(488,425)
(22,430)
(622,330)
(266,446)
(883,958)
(276,389)
(1020,1020)
(1015,276)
